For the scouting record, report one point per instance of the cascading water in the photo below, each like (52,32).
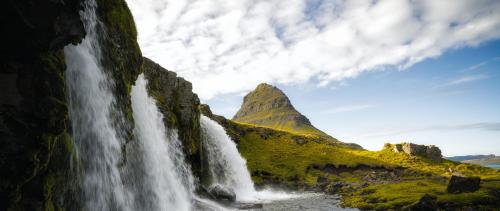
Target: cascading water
(227,168)
(168,181)
(97,141)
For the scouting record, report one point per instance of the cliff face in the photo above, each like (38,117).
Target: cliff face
(35,146)
(269,107)
(179,106)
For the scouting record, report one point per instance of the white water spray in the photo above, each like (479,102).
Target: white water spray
(170,183)
(94,133)
(228,168)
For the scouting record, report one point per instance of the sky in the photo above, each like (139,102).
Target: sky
(367,72)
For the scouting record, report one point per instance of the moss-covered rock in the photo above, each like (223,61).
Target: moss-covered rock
(34,151)
(179,106)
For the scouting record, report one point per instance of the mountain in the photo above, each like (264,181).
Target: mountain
(268,106)
(468,157)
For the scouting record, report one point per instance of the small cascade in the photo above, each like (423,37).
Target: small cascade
(168,183)
(94,133)
(226,166)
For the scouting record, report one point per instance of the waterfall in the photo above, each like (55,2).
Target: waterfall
(94,133)
(226,166)
(167,180)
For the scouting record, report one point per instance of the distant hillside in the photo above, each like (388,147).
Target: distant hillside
(468,157)
(484,161)
(268,106)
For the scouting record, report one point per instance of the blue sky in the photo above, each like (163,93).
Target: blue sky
(364,71)
(451,101)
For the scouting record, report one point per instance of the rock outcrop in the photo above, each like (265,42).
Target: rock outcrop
(428,151)
(460,184)
(268,106)
(35,148)
(179,106)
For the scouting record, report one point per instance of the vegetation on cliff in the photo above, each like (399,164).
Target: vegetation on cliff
(179,106)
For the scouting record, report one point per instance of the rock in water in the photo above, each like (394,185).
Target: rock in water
(222,193)
(460,184)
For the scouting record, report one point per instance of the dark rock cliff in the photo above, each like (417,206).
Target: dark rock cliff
(179,105)
(35,146)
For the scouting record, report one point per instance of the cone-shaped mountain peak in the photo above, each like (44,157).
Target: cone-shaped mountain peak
(268,106)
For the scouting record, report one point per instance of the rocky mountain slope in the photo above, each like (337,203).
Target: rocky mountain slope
(268,106)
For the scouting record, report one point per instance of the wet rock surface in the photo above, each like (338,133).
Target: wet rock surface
(220,192)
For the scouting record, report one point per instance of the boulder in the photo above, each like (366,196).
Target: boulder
(460,184)
(221,193)
(426,203)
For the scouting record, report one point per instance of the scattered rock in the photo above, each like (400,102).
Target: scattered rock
(299,140)
(426,203)
(460,184)
(222,193)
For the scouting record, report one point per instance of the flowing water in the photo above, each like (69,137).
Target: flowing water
(227,168)
(152,175)
(97,141)
(167,180)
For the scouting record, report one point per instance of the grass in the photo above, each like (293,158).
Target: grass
(276,157)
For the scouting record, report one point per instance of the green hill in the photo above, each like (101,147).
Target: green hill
(267,106)
(380,180)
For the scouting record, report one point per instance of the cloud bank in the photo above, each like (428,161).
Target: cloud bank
(231,46)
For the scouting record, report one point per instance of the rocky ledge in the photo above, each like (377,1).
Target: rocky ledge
(427,151)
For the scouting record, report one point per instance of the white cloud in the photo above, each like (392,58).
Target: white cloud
(465,79)
(349,108)
(230,46)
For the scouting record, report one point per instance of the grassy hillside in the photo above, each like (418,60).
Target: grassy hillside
(370,180)
(366,179)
